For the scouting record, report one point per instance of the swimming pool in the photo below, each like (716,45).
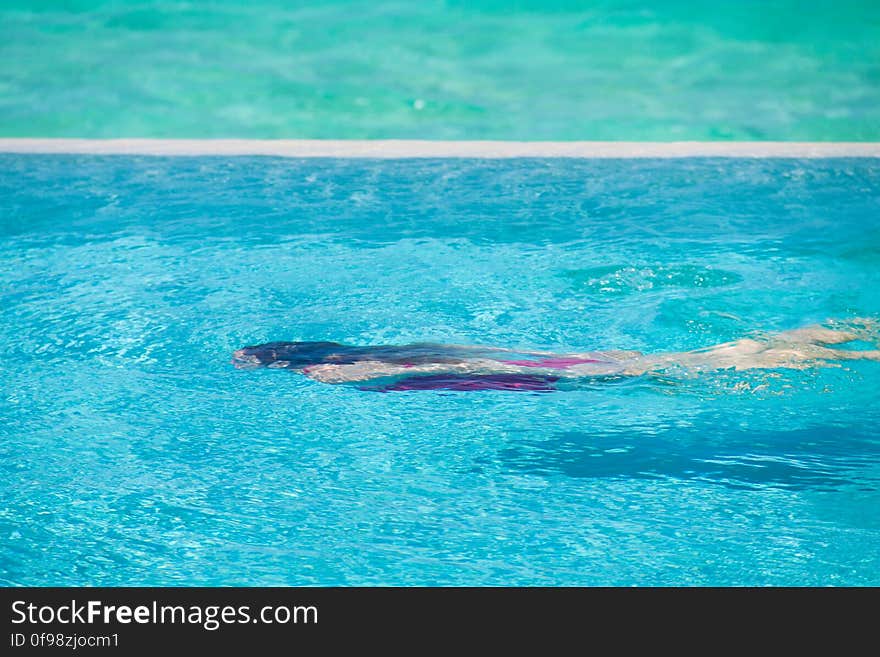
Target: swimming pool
(442,69)
(134,453)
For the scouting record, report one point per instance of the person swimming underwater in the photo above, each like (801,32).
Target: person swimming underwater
(426,366)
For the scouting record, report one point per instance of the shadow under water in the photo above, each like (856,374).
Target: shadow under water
(823,458)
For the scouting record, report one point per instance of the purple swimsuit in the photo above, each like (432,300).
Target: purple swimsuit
(468,382)
(519,382)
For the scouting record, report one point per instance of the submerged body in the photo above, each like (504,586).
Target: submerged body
(459,367)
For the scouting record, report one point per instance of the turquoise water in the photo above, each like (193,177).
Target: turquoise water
(132,452)
(541,69)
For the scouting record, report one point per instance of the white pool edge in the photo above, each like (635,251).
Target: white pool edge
(396,148)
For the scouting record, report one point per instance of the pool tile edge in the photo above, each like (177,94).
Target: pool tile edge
(394,149)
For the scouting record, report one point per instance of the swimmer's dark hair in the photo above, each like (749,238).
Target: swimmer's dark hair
(299,355)
(295,354)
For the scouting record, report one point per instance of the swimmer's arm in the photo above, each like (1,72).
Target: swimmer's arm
(374,369)
(361,371)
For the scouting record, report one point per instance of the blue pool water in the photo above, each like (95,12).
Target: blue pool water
(132,452)
(656,70)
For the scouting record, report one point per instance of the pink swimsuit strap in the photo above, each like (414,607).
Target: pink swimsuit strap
(552,363)
(557,363)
